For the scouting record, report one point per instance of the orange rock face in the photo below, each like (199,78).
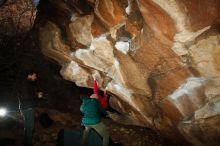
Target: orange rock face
(158,58)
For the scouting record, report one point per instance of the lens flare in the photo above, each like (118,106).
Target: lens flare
(3,112)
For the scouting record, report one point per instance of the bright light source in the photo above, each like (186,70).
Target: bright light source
(3,112)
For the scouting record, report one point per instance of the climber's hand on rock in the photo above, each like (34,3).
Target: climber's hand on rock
(94,76)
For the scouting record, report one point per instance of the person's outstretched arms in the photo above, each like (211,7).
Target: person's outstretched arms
(95,87)
(102,100)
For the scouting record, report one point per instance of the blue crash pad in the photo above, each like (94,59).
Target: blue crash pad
(73,138)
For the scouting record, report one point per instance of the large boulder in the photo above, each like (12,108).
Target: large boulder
(158,58)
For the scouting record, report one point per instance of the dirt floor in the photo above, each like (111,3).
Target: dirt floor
(126,135)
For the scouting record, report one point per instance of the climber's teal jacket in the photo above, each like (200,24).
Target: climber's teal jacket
(92,110)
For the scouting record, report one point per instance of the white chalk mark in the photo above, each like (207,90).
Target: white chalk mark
(188,87)
(122,46)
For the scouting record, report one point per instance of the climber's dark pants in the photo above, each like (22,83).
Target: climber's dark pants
(28,122)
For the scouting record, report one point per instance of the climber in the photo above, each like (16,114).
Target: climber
(102,100)
(93,112)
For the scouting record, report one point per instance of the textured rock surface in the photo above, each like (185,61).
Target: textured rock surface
(158,58)
(16,17)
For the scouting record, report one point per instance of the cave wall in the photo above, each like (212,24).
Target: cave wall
(20,56)
(158,58)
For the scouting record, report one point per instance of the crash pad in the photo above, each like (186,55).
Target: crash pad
(73,138)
